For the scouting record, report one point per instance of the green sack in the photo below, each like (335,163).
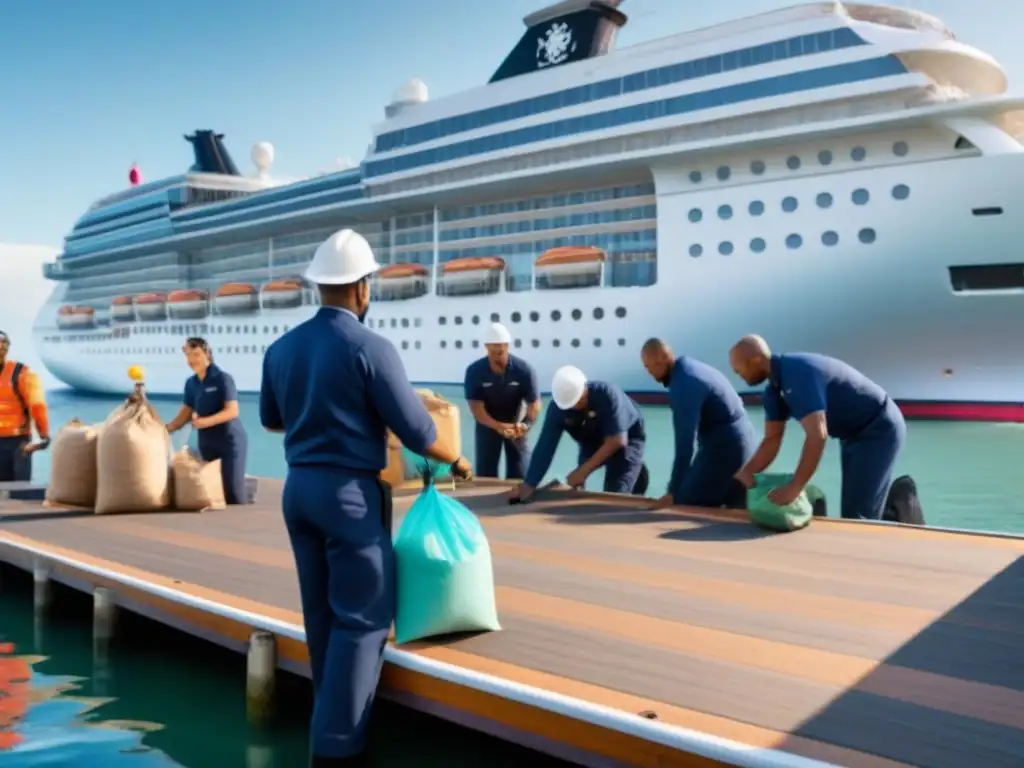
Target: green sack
(791,517)
(445,576)
(413,464)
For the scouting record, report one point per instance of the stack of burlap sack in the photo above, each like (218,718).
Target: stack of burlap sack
(403,465)
(127,464)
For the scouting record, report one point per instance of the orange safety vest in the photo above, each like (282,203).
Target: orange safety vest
(15,415)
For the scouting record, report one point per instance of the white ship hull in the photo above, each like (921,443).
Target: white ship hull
(886,307)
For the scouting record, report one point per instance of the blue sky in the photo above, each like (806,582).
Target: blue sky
(90,87)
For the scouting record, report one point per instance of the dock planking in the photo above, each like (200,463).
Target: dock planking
(846,643)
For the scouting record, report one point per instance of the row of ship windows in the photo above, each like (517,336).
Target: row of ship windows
(781,50)
(597,313)
(778,85)
(793,241)
(636,213)
(517,343)
(794,163)
(543,202)
(789,204)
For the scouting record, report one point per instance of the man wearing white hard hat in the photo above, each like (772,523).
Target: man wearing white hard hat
(498,388)
(606,424)
(335,388)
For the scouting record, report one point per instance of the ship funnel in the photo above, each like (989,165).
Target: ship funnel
(210,154)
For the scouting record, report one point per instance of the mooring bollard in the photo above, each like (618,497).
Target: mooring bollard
(261,668)
(42,593)
(104,613)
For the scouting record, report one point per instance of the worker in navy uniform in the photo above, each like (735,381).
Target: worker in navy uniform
(605,423)
(830,399)
(210,404)
(499,388)
(708,413)
(335,388)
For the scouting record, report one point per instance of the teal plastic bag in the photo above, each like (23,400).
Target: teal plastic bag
(792,516)
(445,575)
(413,463)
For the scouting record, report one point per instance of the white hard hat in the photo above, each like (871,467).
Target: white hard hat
(497,334)
(342,259)
(568,386)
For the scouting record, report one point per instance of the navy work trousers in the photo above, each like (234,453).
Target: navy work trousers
(488,452)
(15,466)
(622,470)
(339,523)
(867,462)
(232,454)
(709,482)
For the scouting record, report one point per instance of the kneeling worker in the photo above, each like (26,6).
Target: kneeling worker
(829,399)
(335,388)
(608,427)
(706,409)
(498,388)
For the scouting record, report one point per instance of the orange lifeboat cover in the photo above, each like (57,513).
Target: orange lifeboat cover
(236,289)
(150,298)
(570,254)
(282,286)
(185,294)
(121,301)
(395,271)
(471,263)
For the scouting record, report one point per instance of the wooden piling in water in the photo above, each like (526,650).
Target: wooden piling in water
(42,592)
(104,614)
(260,679)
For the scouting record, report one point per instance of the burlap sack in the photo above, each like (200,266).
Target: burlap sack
(73,466)
(402,465)
(198,484)
(132,456)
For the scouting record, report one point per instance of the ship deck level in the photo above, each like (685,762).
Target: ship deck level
(847,643)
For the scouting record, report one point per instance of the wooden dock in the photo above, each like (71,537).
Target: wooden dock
(632,638)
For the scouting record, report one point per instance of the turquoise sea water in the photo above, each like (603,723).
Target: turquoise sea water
(159,698)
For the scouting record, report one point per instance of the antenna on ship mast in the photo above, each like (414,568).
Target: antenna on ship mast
(262,157)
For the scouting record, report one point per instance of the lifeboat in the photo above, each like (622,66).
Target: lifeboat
(71,318)
(236,298)
(121,310)
(569,267)
(402,281)
(187,304)
(151,306)
(283,294)
(471,276)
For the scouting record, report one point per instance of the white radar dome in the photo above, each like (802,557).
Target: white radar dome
(411,91)
(262,155)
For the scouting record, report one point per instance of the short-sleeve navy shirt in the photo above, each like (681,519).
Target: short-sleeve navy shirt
(208,397)
(502,394)
(805,383)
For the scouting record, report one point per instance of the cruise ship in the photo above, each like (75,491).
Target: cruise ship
(837,177)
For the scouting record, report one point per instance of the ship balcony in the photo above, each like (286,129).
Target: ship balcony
(54,270)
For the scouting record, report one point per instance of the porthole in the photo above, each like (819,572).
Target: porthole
(405,321)
(458,321)
(495,317)
(824,200)
(756,208)
(860,197)
(416,323)
(825,157)
(857,154)
(793,163)
(597,342)
(696,250)
(444,344)
(576,314)
(405,345)
(416,344)
(575,342)
(829,238)
(725,248)
(695,215)
(723,173)
(622,342)
(534,316)
(901,192)
(476,343)
(556,343)
(556,315)
(516,317)
(794,241)
(725,212)
(620,312)
(789,204)
(394,322)
(757,167)
(458,344)
(757,245)
(266,329)
(440,321)
(900,149)
(695,177)
(476,319)
(517,343)
(866,235)
(598,313)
